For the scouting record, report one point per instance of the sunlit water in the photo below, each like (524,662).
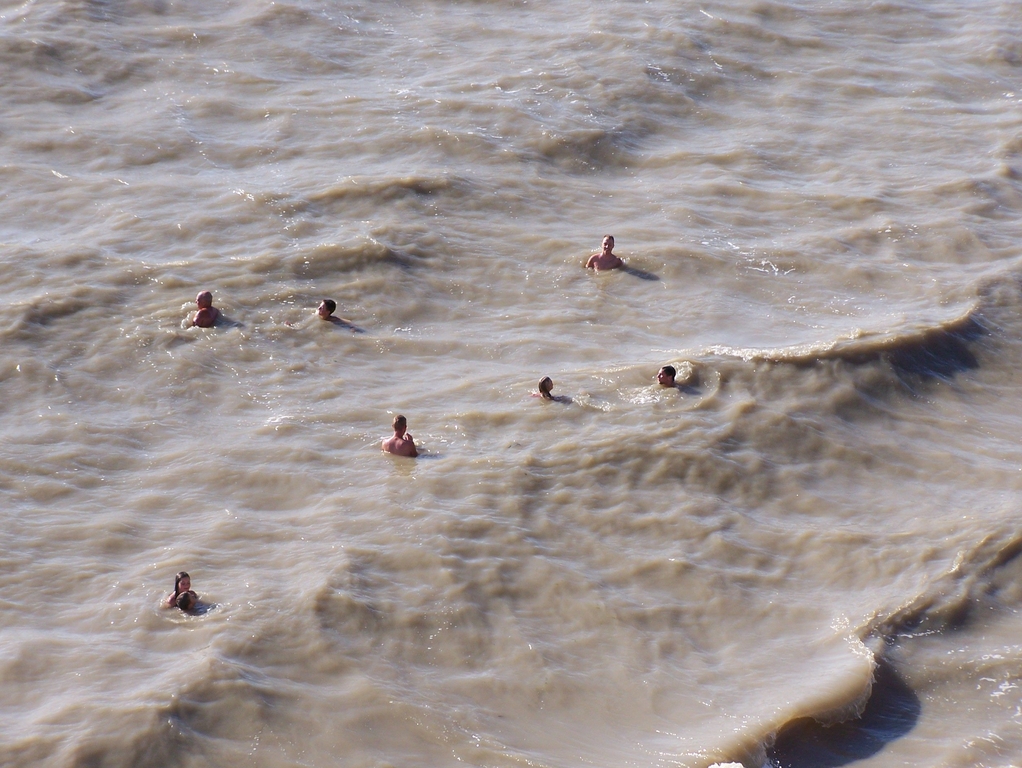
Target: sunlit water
(819,208)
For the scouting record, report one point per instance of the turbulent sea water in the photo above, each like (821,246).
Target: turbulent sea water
(806,556)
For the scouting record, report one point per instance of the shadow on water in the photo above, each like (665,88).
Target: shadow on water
(640,273)
(226,322)
(938,354)
(340,322)
(891,712)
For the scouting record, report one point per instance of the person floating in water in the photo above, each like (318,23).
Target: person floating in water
(207,314)
(401,444)
(665,376)
(182,597)
(546,386)
(326,310)
(605,259)
(187,601)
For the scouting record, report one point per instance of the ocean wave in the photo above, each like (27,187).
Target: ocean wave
(585,149)
(973,582)
(888,708)
(380,191)
(939,348)
(887,711)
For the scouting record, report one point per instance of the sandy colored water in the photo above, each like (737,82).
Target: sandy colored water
(806,555)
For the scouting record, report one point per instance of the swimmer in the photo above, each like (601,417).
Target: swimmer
(326,310)
(187,601)
(207,314)
(605,259)
(665,376)
(182,583)
(401,444)
(546,386)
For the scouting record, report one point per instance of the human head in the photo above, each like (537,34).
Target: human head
(608,242)
(545,385)
(204,299)
(182,583)
(400,425)
(666,375)
(326,308)
(186,600)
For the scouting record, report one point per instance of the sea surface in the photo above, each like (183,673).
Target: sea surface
(806,555)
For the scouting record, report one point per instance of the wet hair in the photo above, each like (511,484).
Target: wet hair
(330,304)
(669,370)
(545,385)
(400,421)
(186,600)
(177,581)
(610,236)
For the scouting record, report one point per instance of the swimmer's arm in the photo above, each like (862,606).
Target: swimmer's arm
(592,261)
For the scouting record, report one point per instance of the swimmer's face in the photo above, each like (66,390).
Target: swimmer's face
(204,300)
(184,585)
(323,311)
(608,243)
(665,379)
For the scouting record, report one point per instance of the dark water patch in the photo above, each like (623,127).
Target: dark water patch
(28,320)
(892,711)
(141,752)
(47,312)
(347,325)
(777,25)
(586,149)
(940,353)
(55,70)
(348,613)
(358,197)
(380,191)
(640,273)
(1007,51)
(985,577)
(280,18)
(329,260)
(39,55)
(993,197)
(941,350)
